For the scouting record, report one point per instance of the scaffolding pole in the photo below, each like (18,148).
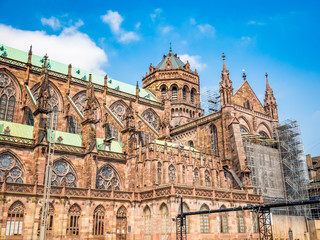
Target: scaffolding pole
(47,177)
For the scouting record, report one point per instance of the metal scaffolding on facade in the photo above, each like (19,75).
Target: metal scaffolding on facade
(294,166)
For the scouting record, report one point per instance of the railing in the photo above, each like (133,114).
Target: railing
(19,140)
(158,192)
(112,155)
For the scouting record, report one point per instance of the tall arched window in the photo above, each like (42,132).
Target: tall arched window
(10,169)
(207,178)
(204,220)
(192,93)
(196,176)
(63,172)
(163,91)
(172,174)
(112,131)
(73,220)
(152,118)
(185,210)
(15,219)
(164,222)
(174,94)
(147,223)
(223,221)
(214,139)
(119,108)
(184,93)
(7,98)
(144,138)
(107,178)
(121,223)
(50,219)
(98,220)
(73,125)
(159,172)
(240,220)
(190,143)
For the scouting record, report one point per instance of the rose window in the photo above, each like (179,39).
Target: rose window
(11,169)
(152,118)
(119,109)
(62,172)
(107,178)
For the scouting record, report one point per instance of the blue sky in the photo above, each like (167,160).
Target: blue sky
(121,38)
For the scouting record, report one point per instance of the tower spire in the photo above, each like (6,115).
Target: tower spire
(226,88)
(170,49)
(268,86)
(270,103)
(244,76)
(224,61)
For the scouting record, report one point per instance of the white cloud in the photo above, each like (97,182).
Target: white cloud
(114,20)
(70,46)
(155,14)
(53,22)
(256,23)
(166,29)
(137,26)
(193,21)
(195,61)
(207,29)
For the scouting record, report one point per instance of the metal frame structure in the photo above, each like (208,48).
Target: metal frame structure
(263,213)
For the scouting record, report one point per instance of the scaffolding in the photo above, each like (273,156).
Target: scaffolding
(210,101)
(314,185)
(263,159)
(294,166)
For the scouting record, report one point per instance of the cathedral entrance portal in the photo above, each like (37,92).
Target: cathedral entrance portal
(121,224)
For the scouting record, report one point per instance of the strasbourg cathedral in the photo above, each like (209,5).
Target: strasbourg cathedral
(124,153)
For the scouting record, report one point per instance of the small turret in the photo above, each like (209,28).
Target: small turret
(270,104)
(226,88)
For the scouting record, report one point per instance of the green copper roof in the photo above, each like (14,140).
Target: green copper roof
(22,56)
(115,146)
(67,138)
(17,129)
(174,59)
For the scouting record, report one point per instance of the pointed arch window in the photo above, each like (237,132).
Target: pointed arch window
(152,118)
(204,220)
(80,100)
(174,94)
(207,178)
(28,116)
(121,223)
(63,173)
(73,220)
(190,143)
(214,139)
(185,210)
(147,223)
(7,98)
(112,131)
(119,108)
(107,178)
(144,138)
(98,220)
(184,93)
(164,222)
(73,125)
(223,221)
(15,219)
(50,220)
(243,129)
(172,174)
(10,169)
(159,172)
(196,176)
(240,221)
(163,91)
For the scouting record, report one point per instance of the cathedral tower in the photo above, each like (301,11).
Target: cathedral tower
(270,103)
(173,80)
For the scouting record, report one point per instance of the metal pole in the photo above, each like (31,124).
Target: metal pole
(181,218)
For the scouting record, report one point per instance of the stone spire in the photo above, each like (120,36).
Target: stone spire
(29,55)
(69,78)
(270,104)
(44,92)
(226,88)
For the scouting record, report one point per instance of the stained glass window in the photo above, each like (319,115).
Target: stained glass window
(172,174)
(192,95)
(240,220)
(214,139)
(98,220)
(73,220)
(263,134)
(80,100)
(204,220)
(243,129)
(107,178)
(207,178)
(7,99)
(174,94)
(28,116)
(15,219)
(63,172)
(10,167)
(73,125)
(119,108)
(152,118)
